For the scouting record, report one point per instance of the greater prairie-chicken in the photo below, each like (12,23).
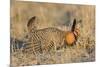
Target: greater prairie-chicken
(43,40)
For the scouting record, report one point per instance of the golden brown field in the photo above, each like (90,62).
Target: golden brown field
(53,15)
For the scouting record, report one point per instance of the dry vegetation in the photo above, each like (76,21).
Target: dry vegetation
(53,15)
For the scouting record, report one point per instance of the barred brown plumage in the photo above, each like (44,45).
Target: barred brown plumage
(47,36)
(43,40)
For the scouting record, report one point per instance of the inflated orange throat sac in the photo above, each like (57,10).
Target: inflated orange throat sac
(70,38)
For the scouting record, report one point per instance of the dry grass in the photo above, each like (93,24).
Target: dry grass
(59,16)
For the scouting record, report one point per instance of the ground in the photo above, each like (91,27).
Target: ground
(54,15)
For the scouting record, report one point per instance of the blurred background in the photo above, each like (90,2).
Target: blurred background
(60,16)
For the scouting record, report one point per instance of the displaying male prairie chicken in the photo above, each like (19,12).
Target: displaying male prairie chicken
(43,40)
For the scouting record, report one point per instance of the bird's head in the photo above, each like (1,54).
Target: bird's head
(71,36)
